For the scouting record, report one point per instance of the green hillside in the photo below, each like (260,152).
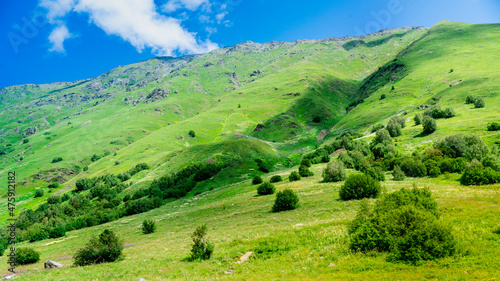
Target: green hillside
(179,140)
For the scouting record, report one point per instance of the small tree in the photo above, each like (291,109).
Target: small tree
(294,176)
(266,189)
(191,134)
(26,256)
(469,100)
(306,162)
(57,232)
(38,193)
(334,172)
(53,199)
(429,125)
(494,126)
(417,119)
(57,159)
(285,200)
(257,180)
(305,172)
(359,186)
(107,247)
(202,249)
(479,103)
(148,226)
(398,174)
(276,178)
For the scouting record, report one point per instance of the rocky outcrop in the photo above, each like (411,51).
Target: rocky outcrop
(156,95)
(52,264)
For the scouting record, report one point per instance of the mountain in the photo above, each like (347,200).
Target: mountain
(205,125)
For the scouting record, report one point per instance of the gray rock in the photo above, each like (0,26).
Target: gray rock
(52,264)
(230,271)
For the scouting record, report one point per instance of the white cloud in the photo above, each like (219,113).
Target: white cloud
(173,5)
(220,17)
(135,21)
(57,38)
(205,19)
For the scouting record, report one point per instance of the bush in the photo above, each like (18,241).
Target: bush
(434,171)
(436,112)
(39,236)
(417,119)
(306,162)
(398,174)
(334,172)
(53,199)
(38,193)
(57,232)
(285,200)
(264,166)
(325,159)
(202,249)
(266,189)
(53,185)
(276,178)
(382,136)
(26,256)
(429,125)
(479,103)
(405,224)
(107,247)
(491,161)
(382,97)
(494,126)
(478,176)
(305,172)
(470,99)
(56,159)
(395,125)
(294,176)
(26,141)
(413,168)
(191,133)
(376,173)
(359,186)
(148,226)
(377,127)
(257,180)
(65,197)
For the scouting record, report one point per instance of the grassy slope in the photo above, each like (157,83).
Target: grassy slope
(311,237)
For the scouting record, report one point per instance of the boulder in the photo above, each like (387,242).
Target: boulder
(52,264)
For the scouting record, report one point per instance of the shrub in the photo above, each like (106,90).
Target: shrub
(479,103)
(107,247)
(53,199)
(266,189)
(285,200)
(191,133)
(65,197)
(294,176)
(148,226)
(382,136)
(448,113)
(469,100)
(478,176)
(38,193)
(434,171)
(325,159)
(346,160)
(306,162)
(395,125)
(491,161)
(494,126)
(257,180)
(413,168)
(359,186)
(57,232)
(276,178)
(398,174)
(56,159)
(377,127)
(405,224)
(417,119)
(138,168)
(126,198)
(376,173)
(26,256)
(39,236)
(429,125)
(305,172)
(436,112)
(202,249)
(53,185)
(382,97)
(26,141)
(334,172)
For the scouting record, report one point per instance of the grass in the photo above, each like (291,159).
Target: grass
(309,238)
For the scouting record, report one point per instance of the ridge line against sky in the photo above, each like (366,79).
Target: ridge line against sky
(65,40)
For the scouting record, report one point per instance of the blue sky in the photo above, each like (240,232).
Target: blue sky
(65,40)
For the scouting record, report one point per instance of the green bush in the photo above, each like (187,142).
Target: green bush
(26,256)
(491,161)
(478,176)
(305,172)
(325,159)
(398,174)
(257,180)
(285,200)
(202,249)
(359,186)
(266,189)
(65,197)
(53,199)
(405,224)
(382,136)
(57,232)
(306,162)
(26,141)
(264,166)
(470,99)
(346,160)
(107,247)
(429,125)
(377,127)
(375,173)
(479,103)
(294,176)
(334,172)
(276,178)
(148,226)
(38,193)
(494,127)
(417,119)
(56,159)
(39,236)
(413,168)
(191,134)
(53,185)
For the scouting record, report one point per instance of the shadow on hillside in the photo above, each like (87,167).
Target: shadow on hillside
(422,134)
